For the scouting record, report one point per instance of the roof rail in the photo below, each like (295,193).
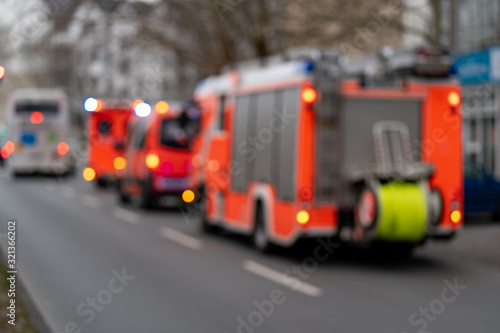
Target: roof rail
(430,61)
(293,54)
(424,61)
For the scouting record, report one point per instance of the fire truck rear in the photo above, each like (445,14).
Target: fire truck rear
(310,145)
(107,129)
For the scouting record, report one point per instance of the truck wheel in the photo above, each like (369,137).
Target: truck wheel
(148,200)
(496,214)
(101,182)
(260,237)
(206,226)
(16,174)
(122,196)
(70,172)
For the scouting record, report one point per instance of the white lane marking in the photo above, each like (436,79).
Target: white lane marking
(180,238)
(283,279)
(91,201)
(126,215)
(68,192)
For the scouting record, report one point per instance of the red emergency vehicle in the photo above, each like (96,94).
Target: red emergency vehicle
(106,130)
(158,154)
(310,145)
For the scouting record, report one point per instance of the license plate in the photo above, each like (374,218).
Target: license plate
(173,184)
(170,201)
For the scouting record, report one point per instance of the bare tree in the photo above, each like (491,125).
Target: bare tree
(429,13)
(207,35)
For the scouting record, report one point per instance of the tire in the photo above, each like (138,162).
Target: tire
(260,237)
(101,183)
(122,196)
(148,200)
(495,216)
(124,199)
(68,173)
(205,225)
(71,172)
(17,174)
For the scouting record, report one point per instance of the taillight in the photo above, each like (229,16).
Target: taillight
(100,105)
(119,163)
(309,95)
(188,196)
(303,217)
(161,107)
(455,216)
(62,148)
(152,161)
(88,174)
(9,147)
(454,99)
(36,117)
(3,152)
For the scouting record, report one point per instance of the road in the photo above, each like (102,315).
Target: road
(91,265)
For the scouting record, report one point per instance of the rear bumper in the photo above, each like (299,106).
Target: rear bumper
(442,234)
(40,162)
(103,172)
(106,175)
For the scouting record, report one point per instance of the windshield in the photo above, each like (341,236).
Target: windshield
(177,133)
(43,107)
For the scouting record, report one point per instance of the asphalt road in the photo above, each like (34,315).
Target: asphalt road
(91,265)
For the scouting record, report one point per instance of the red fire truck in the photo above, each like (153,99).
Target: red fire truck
(310,145)
(106,128)
(158,155)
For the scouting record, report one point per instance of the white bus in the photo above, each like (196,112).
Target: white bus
(39,127)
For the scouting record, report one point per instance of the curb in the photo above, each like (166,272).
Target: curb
(35,315)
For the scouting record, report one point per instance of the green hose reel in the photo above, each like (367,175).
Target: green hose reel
(402,212)
(394,211)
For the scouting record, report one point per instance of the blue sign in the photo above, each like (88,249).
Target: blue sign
(479,67)
(29,139)
(473,67)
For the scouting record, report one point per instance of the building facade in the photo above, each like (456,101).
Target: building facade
(106,60)
(479,73)
(474,36)
(476,24)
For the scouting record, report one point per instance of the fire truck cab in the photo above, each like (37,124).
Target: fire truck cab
(158,154)
(310,145)
(106,128)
